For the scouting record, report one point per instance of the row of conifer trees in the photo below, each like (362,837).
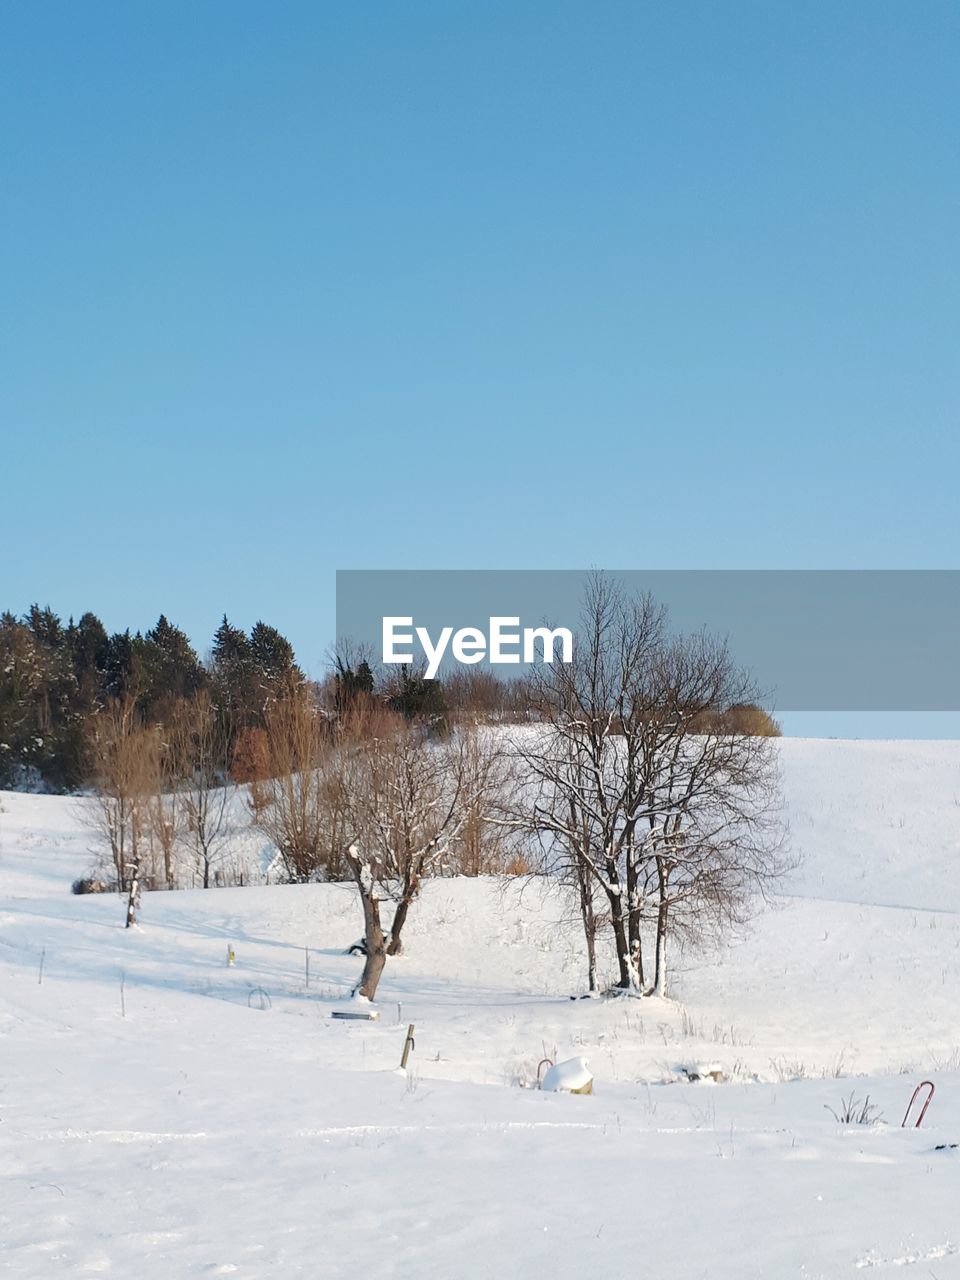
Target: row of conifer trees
(56,676)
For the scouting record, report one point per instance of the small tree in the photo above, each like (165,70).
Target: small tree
(164,810)
(124,767)
(293,802)
(202,746)
(251,765)
(418,700)
(405,801)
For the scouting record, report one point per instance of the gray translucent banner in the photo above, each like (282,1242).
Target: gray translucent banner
(814,640)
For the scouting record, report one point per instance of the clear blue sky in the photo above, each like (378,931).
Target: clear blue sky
(292,287)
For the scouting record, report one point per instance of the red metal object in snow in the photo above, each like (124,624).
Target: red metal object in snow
(924,1084)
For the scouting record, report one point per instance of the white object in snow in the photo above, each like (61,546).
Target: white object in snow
(359,1008)
(571,1076)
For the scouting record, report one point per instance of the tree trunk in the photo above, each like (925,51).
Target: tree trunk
(375,944)
(118,842)
(133,900)
(395,946)
(626,980)
(589,919)
(636,956)
(660,976)
(633,916)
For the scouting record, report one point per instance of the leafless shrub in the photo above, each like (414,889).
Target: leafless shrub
(201,750)
(292,804)
(741,718)
(853,1110)
(90,884)
(124,764)
(788,1069)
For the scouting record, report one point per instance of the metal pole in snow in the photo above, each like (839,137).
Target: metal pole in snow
(408,1044)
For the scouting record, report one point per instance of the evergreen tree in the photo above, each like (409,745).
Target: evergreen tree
(272,658)
(46,626)
(37,697)
(171,670)
(54,679)
(230,645)
(233,677)
(88,642)
(20,681)
(121,666)
(417,698)
(88,645)
(352,683)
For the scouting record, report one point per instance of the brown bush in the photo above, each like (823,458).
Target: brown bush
(743,718)
(251,756)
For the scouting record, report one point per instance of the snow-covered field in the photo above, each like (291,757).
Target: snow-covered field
(155,1120)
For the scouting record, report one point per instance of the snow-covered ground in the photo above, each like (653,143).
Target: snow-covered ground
(156,1120)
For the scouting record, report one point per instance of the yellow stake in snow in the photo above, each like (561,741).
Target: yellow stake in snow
(231,956)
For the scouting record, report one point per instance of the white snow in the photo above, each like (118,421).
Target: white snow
(566,1077)
(156,1120)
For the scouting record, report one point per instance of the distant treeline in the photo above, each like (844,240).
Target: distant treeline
(56,678)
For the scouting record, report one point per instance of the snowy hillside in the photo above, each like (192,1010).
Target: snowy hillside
(155,1115)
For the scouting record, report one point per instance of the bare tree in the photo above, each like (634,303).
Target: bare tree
(123,759)
(488,845)
(250,765)
(293,803)
(714,834)
(476,696)
(586,792)
(669,822)
(405,800)
(202,744)
(164,811)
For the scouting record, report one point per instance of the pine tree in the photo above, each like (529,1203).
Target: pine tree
(171,670)
(233,678)
(46,626)
(121,666)
(55,679)
(37,697)
(273,663)
(20,680)
(88,642)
